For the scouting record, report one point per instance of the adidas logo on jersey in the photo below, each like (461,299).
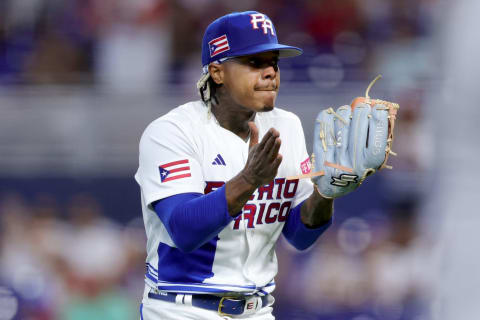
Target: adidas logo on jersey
(219,161)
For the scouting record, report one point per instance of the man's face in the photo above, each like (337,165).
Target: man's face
(253,81)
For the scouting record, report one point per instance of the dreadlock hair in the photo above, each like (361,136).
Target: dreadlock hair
(207,88)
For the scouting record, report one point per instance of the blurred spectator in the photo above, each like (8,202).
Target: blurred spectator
(95,258)
(132,49)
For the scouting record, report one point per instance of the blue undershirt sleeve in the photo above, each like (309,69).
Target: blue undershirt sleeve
(192,219)
(297,233)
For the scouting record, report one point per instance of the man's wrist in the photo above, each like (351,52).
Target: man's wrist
(249,180)
(314,222)
(316,211)
(237,192)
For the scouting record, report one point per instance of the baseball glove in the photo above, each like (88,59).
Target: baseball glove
(351,144)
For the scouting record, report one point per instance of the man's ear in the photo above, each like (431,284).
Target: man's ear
(216,72)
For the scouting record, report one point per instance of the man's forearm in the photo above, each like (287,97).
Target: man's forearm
(316,210)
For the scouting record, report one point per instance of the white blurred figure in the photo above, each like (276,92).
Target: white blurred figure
(95,261)
(94,253)
(134,45)
(454,210)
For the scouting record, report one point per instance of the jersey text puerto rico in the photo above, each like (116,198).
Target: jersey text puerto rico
(271,202)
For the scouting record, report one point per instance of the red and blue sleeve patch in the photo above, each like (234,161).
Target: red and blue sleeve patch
(175,170)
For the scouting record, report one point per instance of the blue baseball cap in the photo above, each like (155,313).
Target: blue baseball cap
(240,34)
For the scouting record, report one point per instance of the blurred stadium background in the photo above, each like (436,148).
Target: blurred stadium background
(81,79)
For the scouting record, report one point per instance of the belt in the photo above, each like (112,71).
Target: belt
(223,305)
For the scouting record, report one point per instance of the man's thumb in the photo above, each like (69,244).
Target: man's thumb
(253,134)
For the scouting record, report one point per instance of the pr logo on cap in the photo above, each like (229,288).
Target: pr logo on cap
(218,45)
(266,23)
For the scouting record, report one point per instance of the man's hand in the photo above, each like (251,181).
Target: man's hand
(261,168)
(263,158)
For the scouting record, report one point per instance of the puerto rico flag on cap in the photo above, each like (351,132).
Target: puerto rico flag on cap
(218,45)
(175,170)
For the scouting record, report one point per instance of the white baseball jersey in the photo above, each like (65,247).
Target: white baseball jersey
(185,151)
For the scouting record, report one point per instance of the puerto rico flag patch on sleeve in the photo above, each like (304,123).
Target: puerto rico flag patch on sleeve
(175,170)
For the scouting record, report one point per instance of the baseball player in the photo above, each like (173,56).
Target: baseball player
(221,180)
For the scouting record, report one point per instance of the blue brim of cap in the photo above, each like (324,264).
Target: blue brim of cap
(283,50)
